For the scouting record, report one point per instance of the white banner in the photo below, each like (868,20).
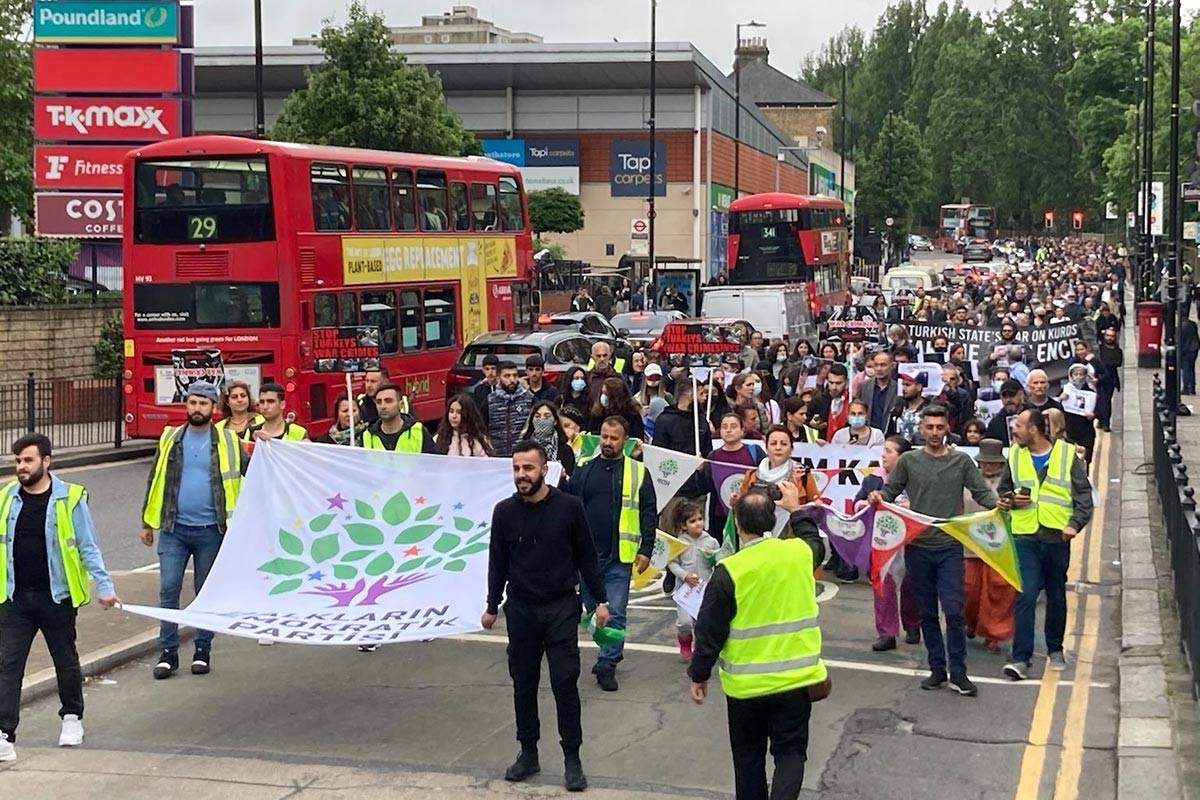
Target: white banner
(669,470)
(336,545)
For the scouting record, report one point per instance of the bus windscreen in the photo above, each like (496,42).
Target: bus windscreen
(203,201)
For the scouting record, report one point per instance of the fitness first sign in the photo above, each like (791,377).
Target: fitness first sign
(629,169)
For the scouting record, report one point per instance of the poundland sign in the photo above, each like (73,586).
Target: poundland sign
(100,21)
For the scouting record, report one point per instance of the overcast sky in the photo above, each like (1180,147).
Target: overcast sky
(793,28)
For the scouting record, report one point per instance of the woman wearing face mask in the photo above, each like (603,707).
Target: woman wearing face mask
(789,381)
(890,616)
(747,389)
(614,400)
(545,428)
(653,386)
(575,394)
(857,431)
(778,358)
(462,431)
(1080,425)
(339,432)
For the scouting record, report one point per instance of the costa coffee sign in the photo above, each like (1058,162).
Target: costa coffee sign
(79,215)
(106,71)
(78,167)
(124,119)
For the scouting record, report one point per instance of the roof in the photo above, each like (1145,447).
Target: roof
(764,85)
(784,200)
(540,337)
(238,145)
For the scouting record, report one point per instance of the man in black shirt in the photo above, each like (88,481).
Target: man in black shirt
(541,548)
(54,551)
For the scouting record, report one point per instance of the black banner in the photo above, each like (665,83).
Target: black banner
(1049,347)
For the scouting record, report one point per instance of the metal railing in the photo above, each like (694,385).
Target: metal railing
(1177,500)
(83,412)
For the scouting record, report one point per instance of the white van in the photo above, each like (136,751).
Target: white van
(908,279)
(779,312)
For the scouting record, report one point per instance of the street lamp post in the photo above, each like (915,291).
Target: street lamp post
(651,213)
(1175,217)
(1147,230)
(737,99)
(260,113)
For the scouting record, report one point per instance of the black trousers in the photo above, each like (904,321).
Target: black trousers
(20,620)
(781,719)
(551,629)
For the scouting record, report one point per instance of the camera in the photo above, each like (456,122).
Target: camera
(771,490)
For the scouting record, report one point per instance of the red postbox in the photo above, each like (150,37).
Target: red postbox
(1149,322)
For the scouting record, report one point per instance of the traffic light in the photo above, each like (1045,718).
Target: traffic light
(1077,220)
(1048,216)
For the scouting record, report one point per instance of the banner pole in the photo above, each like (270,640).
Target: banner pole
(696,412)
(350,400)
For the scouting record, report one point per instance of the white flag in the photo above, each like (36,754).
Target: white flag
(669,470)
(337,545)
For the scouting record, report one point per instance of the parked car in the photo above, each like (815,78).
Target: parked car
(561,349)
(641,328)
(592,325)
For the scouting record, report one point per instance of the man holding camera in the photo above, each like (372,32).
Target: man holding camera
(758,626)
(1047,489)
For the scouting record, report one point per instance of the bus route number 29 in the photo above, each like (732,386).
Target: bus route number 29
(202,227)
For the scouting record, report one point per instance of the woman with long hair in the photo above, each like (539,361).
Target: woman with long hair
(574,388)
(746,389)
(545,427)
(801,351)
(236,414)
(462,431)
(653,386)
(889,617)
(339,431)
(614,400)
(830,352)
(973,432)
(777,355)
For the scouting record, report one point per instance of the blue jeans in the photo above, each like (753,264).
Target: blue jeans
(1043,567)
(616,578)
(1187,368)
(174,548)
(937,575)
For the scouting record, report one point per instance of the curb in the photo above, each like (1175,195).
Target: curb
(45,683)
(111,455)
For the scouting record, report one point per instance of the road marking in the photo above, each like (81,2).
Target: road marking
(107,465)
(858,666)
(1066,785)
(1033,761)
(148,568)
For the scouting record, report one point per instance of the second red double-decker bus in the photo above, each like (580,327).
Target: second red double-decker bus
(778,238)
(237,249)
(959,223)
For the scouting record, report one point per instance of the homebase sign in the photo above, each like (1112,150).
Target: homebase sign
(97,21)
(629,169)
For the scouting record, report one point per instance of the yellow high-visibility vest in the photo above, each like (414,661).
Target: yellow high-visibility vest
(229,461)
(629,524)
(774,642)
(1051,498)
(64,508)
(411,441)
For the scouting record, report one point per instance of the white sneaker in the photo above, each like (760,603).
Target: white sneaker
(1016,671)
(7,751)
(265,642)
(72,732)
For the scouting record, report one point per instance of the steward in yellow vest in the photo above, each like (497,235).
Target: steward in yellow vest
(1046,489)
(758,627)
(395,430)
(47,551)
(162,492)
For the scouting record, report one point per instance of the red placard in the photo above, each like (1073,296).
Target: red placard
(106,71)
(67,166)
(113,119)
(87,215)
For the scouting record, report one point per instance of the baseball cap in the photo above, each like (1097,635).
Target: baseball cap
(1011,386)
(653,370)
(203,389)
(919,377)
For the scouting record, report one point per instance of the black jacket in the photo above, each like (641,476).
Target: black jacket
(647,507)
(676,430)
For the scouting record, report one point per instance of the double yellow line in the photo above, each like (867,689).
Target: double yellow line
(1085,566)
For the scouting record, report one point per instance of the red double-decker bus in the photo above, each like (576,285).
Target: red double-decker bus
(778,238)
(237,249)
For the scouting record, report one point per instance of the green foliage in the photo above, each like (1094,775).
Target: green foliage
(555,211)
(16,108)
(109,350)
(557,251)
(894,175)
(366,95)
(1028,109)
(33,271)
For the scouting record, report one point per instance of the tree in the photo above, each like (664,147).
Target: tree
(108,350)
(894,176)
(367,96)
(16,109)
(34,271)
(554,210)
